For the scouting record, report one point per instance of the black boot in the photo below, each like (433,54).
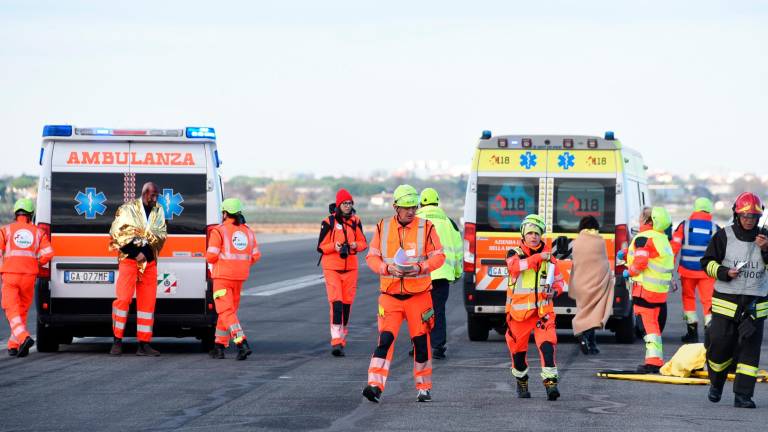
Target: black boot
(592,342)
(522,388)
(243,350)
(13,352)
(693,333)
(338,350)
(217,352)
(715,393)
(648,369)
(146,350)
(372,393)
(583,343)
(117,347)
(743,401)
(25,346)
(550,384)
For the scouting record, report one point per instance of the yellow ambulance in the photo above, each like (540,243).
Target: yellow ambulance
(86,174)
(562,178)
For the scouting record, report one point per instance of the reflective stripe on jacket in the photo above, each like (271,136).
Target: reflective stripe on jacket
(656,277)
(690,240)
(419,242)
(450,238)
(25,247)
(527,272)
(232,249)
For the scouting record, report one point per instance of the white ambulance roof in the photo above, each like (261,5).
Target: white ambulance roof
(540,142)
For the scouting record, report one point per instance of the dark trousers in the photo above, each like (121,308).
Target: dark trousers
(726,350)
(440,290)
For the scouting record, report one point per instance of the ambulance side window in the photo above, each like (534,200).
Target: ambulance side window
(502,203)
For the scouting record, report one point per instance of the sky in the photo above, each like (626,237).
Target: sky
(349,87)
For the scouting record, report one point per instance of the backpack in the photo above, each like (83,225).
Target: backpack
(328,224)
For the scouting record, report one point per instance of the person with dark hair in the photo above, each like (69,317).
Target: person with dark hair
(138,233)
(592,284)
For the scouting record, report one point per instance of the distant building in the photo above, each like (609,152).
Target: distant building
(383,199)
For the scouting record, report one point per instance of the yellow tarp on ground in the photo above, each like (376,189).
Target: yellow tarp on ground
(688,358)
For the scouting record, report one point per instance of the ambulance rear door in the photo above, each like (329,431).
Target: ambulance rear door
(511,184)
(89,181)
(180,172)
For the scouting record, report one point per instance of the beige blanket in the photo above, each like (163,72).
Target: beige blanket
(592,282)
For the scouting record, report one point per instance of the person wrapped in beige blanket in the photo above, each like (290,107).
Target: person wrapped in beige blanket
(591,285)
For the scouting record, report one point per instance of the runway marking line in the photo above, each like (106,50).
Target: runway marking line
(280,287)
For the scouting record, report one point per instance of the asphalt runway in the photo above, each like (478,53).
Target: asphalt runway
(292,382)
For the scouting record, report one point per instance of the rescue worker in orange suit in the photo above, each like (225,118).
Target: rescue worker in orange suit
(650,263)
(232,249)
(138,233)
(25,248)
(404,251)
(341,239)
(737,257)
(529,306)
(689,242)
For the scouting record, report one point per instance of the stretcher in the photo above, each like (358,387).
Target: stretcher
(762,376)
(631,375)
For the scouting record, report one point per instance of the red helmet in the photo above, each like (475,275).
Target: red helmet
(748,203)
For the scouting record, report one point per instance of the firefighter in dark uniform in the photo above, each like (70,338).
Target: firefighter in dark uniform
(737,257)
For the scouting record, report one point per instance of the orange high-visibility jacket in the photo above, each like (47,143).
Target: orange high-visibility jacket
(25,247)
(232,249)
(421,244)
(345,230)
(525,297)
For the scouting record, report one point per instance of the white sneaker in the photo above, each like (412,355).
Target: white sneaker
(424,396)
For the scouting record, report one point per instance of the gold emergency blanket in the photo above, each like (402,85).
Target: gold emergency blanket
(131,225)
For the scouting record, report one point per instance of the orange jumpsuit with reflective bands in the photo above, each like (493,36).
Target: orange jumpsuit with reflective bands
(529,310)
(404,298)
(231,250)
(649,306)
(694,278)
(25,247)
(341,273)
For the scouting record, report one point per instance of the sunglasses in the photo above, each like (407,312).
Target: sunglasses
(347,203)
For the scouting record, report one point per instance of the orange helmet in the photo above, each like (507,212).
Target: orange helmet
(748,203)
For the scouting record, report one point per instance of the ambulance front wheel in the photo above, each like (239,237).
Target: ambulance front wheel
(47,339)
(477,328)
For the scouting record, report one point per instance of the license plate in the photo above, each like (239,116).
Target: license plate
(89,277)
(498,271)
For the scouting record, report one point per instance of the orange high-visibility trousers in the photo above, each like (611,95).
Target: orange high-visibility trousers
(18,292)
(340,286)
(144,285)
(226,296)
(649,318)
(544,332)
(417,310)
(706,287)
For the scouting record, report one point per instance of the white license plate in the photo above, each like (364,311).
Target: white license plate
(89,277)
(498,271)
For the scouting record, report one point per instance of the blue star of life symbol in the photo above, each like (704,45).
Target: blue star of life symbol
(566,160)
(171,203)
(90,203)
(528,160)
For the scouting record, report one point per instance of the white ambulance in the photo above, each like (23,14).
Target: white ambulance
(87,173)
(562,178)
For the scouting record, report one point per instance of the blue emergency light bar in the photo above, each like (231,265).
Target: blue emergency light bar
(486,135)
(57,130)
(201,132)
(609,136)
